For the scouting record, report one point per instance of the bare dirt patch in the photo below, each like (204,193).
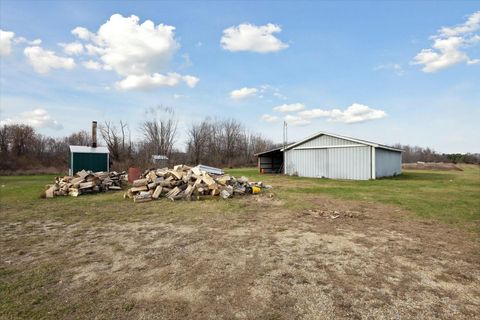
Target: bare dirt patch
(336,260)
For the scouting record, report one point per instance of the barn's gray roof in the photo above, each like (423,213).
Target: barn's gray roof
(85,149)
(365,142)
(269,151)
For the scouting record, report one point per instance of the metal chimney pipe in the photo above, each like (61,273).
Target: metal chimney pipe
(94,134)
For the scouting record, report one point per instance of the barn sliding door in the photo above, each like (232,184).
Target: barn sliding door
(321,163)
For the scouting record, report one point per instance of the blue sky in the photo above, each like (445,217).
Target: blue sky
(352,68)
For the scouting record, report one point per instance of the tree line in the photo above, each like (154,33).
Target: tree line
(215,142)
(414,154)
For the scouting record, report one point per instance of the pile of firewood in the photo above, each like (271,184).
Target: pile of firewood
(85,182)
(183,182)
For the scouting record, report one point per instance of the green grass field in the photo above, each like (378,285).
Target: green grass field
(270,256)
(449,196)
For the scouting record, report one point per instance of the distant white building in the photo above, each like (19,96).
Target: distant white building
(327,155)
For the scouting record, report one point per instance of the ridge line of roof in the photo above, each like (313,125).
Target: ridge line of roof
(372,144)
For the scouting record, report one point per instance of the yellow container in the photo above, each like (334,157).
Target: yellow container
(256,190)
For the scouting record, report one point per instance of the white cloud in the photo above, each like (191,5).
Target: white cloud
(93,50)
(356,113)
(472,24)
(92,65)
(445,53)
(260,92)
(35,42)
(146,81)
(72,48)
(82,33)
(6,38)
(449,46)
(243,93)
(37,118)
(131,48)
(296,120)
(139,52)
(269,118)
(314,113)
(353,114)
(191,81)
(19,40)
(44,60)
(293,107)
(249,37)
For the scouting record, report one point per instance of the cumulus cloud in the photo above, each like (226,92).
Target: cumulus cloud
(269,118)
(449,45)
(296,120)
(249,37)
(146,81)
(260,92)
(43,60)
(472,24)
(37,118)
(136,51)
(353,114)
(6,39)
(35,42)
(72,48)
(314,113)
(82,33)
(243,93)
(293,107)
(92,65)
(356,113)
(191,81)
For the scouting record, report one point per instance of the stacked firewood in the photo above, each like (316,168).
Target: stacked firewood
(85,182)
(183,182)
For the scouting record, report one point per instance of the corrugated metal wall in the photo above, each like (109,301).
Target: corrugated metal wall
(349,163)
(334,163)
(387,163)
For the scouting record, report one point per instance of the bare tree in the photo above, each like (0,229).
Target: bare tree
(80,138)
(160,132)
(197,143)
(231,134)
(4,139)
(21,138)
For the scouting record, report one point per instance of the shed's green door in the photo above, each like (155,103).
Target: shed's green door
(90,161)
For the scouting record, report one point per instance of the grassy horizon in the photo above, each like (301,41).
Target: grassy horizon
(449,196)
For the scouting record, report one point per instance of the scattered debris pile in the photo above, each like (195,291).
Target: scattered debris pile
(85,182)
(333,214)
(189,183)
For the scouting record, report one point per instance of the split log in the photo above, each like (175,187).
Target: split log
(138,189)
(140,182)
(157,192)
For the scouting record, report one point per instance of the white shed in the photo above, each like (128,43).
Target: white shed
(333,156)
